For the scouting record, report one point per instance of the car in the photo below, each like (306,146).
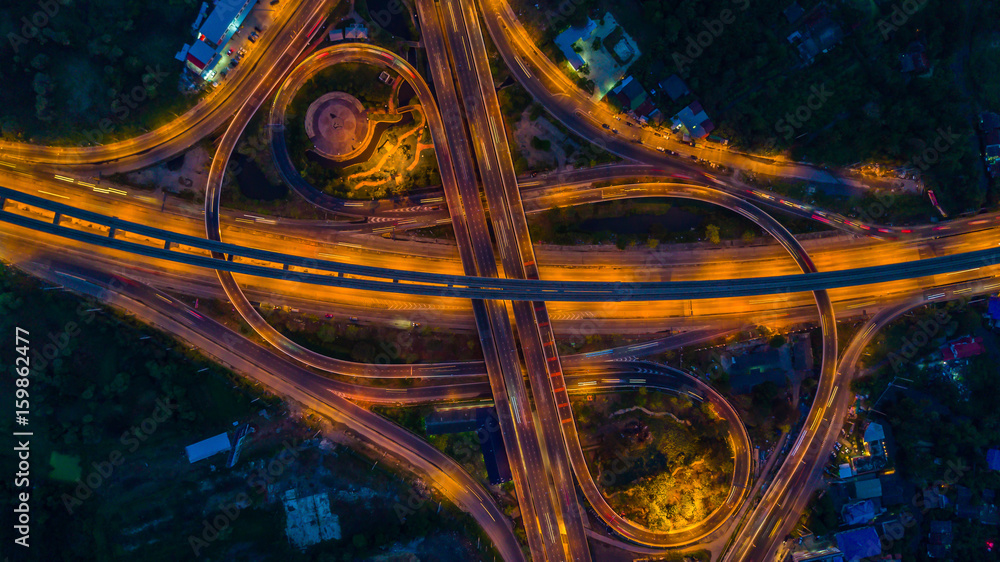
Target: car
(605,125)
(233,63)
(627,123)
(258,29)
(252,39)
(329,316)
(615,131)
(415,324)
(229,53)
(243,51)
(354,318)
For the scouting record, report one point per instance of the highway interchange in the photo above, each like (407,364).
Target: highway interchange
(471,147)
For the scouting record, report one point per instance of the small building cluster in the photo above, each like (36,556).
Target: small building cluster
(815,31)
(205,57)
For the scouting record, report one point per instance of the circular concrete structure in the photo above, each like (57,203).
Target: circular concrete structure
(337,125)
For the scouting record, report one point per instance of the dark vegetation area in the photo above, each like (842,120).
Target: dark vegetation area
(88,62)
(750,78)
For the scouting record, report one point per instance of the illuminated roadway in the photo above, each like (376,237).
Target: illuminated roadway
(822,418)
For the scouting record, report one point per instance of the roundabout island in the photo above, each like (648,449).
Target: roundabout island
(351,131)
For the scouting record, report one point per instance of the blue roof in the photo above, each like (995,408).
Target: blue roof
(993,459)
(208,447)
(224,19)
(993,307)
(859,543)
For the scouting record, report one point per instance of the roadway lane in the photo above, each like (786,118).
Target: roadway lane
(493,322)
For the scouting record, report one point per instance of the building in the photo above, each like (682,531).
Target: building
(693,121)
(875,441)
(674,87)
(859,543)
(336,35)
(859,512)
(817,33)
(630,94)
(914,59)
(992,315)
(211,40)
(868,489)
(939,539)
(993,459)
(356,32)
(225,19)
(794,12)
(207,448)
(962,348)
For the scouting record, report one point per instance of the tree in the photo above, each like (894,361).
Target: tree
(712,234)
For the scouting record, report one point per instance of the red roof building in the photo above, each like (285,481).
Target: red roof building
(962,348)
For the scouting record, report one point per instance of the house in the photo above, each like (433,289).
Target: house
(939,539)
(859,543)
(993,310)
(693,121)
(356,32)
(868,489)
(630,94)
(914,59)
(336,35)
(993,459)
(794,12)
(845,471)
(817,33)
(208,447)
(875,441)
(859,512)
(933,499)
(962,348)
(674,86)
(568,38)
(965,506)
